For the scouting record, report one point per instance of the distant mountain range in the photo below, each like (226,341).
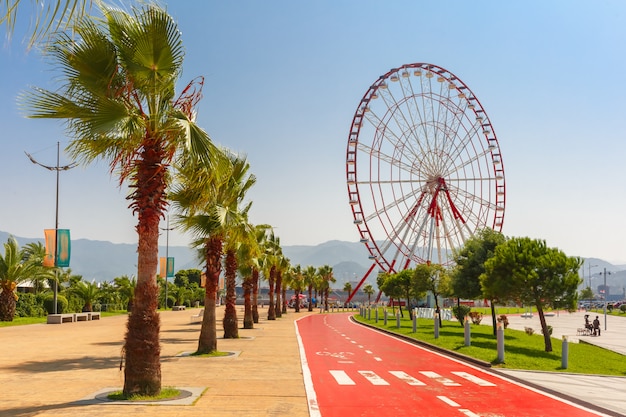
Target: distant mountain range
(103,261)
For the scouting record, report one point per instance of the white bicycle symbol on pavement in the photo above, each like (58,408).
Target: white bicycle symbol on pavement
(338,355)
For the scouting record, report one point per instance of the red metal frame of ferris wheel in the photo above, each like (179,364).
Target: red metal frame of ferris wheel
(434,209)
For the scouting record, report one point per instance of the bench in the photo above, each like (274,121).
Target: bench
(60,318)
(583,332)
(178,308)
(73,317)
(81,316)
(197,317)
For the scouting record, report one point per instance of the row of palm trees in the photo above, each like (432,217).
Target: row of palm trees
(116,95)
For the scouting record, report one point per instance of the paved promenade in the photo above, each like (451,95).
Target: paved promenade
(56,370)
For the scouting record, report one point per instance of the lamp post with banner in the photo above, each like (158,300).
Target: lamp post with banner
(65,235)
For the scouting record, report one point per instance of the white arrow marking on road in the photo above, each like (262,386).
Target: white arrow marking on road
(403,376)
(341,377)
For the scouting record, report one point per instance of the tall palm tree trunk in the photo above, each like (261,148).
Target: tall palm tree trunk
(277,306)
(255,295)
(7,300)
(142,372)
(310,297)
(271,313)
(230,313)
(248,322)
(207,342)
(284,299)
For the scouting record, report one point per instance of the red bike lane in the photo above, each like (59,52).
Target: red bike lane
(352,370)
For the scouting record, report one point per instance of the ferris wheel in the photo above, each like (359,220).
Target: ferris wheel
(423,168)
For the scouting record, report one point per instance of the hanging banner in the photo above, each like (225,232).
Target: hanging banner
(50,235)
(166,267)
(170,267)
(60,239)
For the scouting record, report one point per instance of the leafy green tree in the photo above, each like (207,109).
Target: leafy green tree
(14,269)
(586,294)
(528,272)
(391,285)
(400,285)
(433,278)
(470,265)
(117,97)
(185,277)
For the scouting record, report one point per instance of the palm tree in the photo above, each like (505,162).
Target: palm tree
(282,266)
(208,199)
(13,270)
(347,287)
(309,280)
(258,242)
(369,290)
(126,288)
(118,101)
(326,274)
(297,283)
(238,229)
(36,253)
(50,17)
(86,291)
(270,262)
(248,265)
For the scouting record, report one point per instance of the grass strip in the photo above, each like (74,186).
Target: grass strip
(521,351)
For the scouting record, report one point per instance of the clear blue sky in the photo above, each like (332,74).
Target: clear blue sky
(282,82)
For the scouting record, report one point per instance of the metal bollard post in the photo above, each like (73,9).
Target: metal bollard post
(500,337)
(564,352)
(369,313)
(436,317)
(414,320)
(398,319)
(376,315)
(385,319)
(468,332)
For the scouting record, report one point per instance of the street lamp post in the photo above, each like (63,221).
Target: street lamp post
(58,168)
(167,249)
(605,294)
(589,268)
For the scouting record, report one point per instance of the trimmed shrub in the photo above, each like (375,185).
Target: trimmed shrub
(622,308)
(529,331)
(460,312)
(28,305)
(504,320)
(48,304)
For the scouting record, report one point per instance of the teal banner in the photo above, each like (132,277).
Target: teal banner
(63,248)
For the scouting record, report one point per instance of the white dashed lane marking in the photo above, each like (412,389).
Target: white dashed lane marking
(474,379)
(342,378)
(373,378)
(403,376)
(445,381)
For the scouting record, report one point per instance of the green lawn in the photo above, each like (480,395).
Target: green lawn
(521,350)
